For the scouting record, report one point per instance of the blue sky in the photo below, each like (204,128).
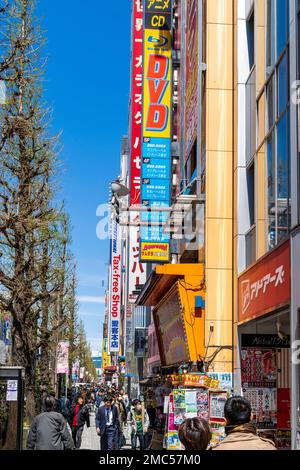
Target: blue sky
(87,84)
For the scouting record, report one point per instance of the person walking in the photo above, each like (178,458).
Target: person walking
(79,416)
(195,434)
(240,432)
(49,430)
(139,424)
(107,424)
(122,419)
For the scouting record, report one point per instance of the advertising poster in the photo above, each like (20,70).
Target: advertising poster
(171,424)
(217,402)
(258,367)
(62,361)
(202,404)
(264,406)
(173,442)
(283,408)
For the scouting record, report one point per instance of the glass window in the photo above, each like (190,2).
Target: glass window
(270,35)
(282,10)
(261,128)
(250,40)
(271,191)
(271,102)
(283,88)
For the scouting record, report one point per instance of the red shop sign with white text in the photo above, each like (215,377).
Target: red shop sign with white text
(136,103)
(266,286)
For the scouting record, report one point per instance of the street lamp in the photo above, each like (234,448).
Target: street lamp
(119,189)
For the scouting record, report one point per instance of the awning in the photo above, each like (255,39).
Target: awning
(162,279)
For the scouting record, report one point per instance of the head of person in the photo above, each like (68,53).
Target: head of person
(159,410)
(49,403)
(237,411)
(122,393)
(108,401)
(79,400)
(137,404)
(195,434)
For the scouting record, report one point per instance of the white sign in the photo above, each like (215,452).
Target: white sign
(12,390)
(115,290)
(137,271)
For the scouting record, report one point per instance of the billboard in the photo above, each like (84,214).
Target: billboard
(191,76)
(156,145)
(266,286)
(115,293)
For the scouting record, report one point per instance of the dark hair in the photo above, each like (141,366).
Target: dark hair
(49,403)
(136,402)
(107,398)
(237,410)
(78,397)
(195,434)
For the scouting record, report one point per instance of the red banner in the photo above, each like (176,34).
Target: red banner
(266,286)
(136,103)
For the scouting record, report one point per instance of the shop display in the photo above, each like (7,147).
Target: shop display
(265,383)
(204,402)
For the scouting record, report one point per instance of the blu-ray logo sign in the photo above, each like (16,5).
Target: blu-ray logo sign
(162,41)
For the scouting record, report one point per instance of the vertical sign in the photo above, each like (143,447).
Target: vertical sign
(191,76)
(136,102)
(115,290)
(137,271)
(156,149)
(62,364)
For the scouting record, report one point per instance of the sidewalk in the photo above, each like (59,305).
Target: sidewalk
(90,440)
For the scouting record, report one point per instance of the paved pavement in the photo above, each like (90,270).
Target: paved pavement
(90,439)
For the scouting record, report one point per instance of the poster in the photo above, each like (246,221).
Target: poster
(202,404)
(171,424)
(258,367)
(264,406)
(12,390)
(217,402)
(62,364)
(173,442)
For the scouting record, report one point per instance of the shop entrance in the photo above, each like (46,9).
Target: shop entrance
(265,375)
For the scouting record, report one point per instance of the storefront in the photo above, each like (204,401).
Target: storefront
(264,343)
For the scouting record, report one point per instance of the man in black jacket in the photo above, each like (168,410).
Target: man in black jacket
(49,430)
(107,424)
(79,415)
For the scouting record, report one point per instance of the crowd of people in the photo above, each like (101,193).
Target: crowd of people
(60,425)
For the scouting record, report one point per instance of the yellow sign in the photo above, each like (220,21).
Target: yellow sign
(155,251)
(157,84)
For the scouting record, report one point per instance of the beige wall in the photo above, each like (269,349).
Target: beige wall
(219,181)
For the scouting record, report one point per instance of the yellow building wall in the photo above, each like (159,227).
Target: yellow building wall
(219,183)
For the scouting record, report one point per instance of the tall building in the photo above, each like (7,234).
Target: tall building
(214,152)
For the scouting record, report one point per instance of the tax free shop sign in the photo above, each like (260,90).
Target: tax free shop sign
(115,292)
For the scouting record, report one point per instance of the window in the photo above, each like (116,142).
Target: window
(282,84)
(271,191)
(282,25)
(251,193)
(250,39)
(250,116)
(271,102)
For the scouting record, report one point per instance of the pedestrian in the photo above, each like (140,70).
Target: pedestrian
(49,430)
(195,434)
(107,424)
(240,432)
(79,416)
(122,419)
(65,407)
(139,424)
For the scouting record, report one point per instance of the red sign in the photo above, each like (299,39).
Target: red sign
(136,103)
(266,286)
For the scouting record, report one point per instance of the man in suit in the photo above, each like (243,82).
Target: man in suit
(107,424)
